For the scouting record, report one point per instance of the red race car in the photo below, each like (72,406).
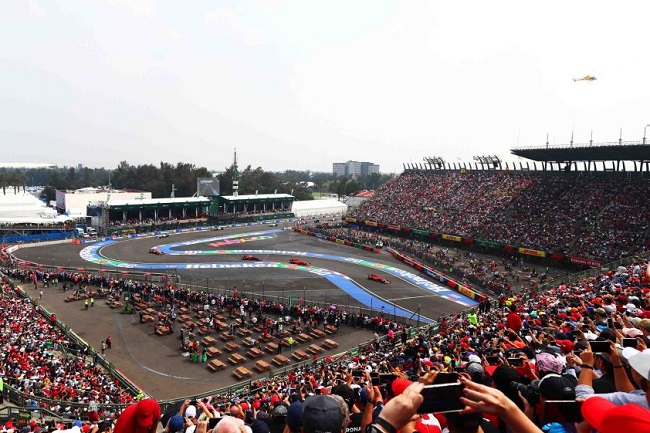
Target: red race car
(156,251)
(375,277)
(299,262)
(251,257)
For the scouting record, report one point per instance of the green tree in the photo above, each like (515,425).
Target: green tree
(351,186)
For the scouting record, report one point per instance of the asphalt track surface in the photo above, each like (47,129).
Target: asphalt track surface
(154,363)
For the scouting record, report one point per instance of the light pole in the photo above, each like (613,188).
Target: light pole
(644,130)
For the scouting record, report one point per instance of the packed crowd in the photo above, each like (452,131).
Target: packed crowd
(143,221)
(598,218)
(570,359)
(503,367)
(34,360)
(30,359)
(170,297)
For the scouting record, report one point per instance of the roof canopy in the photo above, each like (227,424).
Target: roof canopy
(625,151)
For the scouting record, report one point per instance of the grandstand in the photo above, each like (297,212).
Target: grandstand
(585,217)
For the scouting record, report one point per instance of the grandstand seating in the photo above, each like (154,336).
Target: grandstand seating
(585,216)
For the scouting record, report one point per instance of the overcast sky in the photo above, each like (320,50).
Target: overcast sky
(302,84)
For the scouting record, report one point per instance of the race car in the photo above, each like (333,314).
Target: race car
(379,279)
(251,257)
(156,251)
(163,235)
(299,262)
(217,228)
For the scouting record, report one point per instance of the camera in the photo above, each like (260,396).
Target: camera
(530,392)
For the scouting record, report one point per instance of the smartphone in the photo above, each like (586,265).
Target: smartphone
(492,360)
(629,342)
(442,398)
(386,378)
(516,362)
(358,373)
(442,378)
(562,411)
(600,346)
(212,423)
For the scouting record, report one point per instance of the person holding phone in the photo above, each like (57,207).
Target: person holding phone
(484,399)
(626,392)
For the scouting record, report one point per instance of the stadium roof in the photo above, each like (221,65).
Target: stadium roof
(256,196)
(625,151)
(158,201)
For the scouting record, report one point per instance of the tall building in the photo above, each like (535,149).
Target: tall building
(354,168)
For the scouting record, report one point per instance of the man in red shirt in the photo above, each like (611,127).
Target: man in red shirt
(514,321)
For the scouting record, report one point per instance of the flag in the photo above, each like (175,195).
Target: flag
(585,78)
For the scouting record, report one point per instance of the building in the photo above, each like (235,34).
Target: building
(75,202)
(319,207)
(354,168)
(24,218)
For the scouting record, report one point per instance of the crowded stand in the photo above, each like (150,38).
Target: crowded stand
(514,362)
(593,217)
(37,360)
(586,340)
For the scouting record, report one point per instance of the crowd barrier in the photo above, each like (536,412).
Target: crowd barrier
(437,275)
(337,240)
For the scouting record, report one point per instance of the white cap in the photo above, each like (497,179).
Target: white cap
(641,363)
(190,412)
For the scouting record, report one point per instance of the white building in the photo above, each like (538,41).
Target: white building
(22,207)
(76,202)
(305,208)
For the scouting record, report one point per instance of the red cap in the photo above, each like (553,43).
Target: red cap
(606,417)
(399,385)
(566,345)
(139,417)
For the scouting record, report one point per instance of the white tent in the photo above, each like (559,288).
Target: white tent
(318,207)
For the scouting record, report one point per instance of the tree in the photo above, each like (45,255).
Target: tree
(351,186)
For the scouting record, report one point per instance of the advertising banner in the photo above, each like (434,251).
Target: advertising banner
(530,252)
(489,244)
(466,291)
(452,238)
(586,262)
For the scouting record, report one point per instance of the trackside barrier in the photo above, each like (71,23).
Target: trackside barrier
(338,241)
(444,279)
